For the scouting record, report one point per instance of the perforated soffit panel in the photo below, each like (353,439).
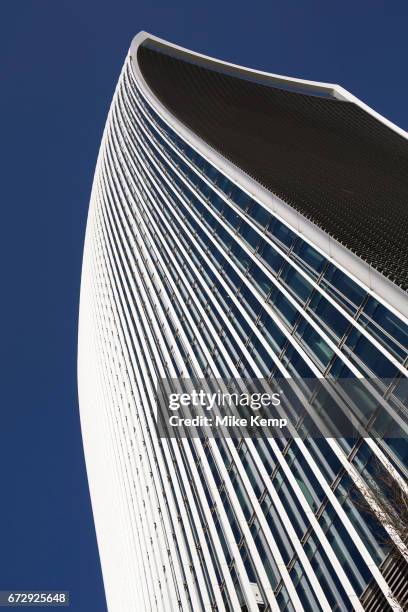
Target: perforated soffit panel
(327,158)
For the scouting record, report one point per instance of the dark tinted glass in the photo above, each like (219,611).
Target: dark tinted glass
(343,288)
(298,285)
(259,214)
(272,259)
(308,255)
(377,318)
(327,313)
(370,355)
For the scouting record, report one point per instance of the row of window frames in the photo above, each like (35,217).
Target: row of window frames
(165,500)
(332,319)
(200,322)
(245,504)
(302,252)
(341,494)
(367,455)
(322,310)
(193,342)
(224,545)
(278,339)
(176,500)
(311,331)
(259,540)
(213,555)
(327,519)
(170,349)
(282,233)
(342,485)
(274,522)
(299,466)
(287,239)
(215,353)
(300,285)
(174,248)
(342,491)
(302,290)
(185,270)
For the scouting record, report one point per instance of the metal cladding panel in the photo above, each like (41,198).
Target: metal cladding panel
(329,159)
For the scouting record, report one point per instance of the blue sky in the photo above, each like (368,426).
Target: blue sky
(60,63)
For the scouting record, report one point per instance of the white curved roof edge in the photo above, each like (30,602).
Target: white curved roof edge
(381,287)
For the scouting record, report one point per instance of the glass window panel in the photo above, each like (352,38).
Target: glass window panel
(305,478)
(242,258)
(376,318)
(223,541)
(248,564)
(277,529)
(223,183)
(298,285)
(347,554)
(270,256)
(315,343)
(333,588)
(379,365)
(281,232)
(262,358)
(271,332)
(266,453)
(251,470)
(209,170)
(259,214)
(240,323)
(231,517)
(250,235)
(325,458)
(266,557)
(371,532)
(304,253)
(309,602)
(211,222)
(282,304)
(240,198)
(292,505)
(343,288)
(250,302)
(231,276)
(260,280)
(225,238)
(327,313)
(232,217)
(338,369)
(398,447)
(241,493)
(216,202)
(296,364)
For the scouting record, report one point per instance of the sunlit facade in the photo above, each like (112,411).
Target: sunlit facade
(211,254)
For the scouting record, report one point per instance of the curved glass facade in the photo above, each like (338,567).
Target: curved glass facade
(186,274)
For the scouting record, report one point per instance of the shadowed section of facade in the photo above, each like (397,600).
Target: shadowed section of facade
(329,159)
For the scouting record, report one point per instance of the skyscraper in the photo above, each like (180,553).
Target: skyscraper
(243,225)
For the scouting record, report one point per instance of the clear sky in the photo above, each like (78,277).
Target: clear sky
(60,62)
